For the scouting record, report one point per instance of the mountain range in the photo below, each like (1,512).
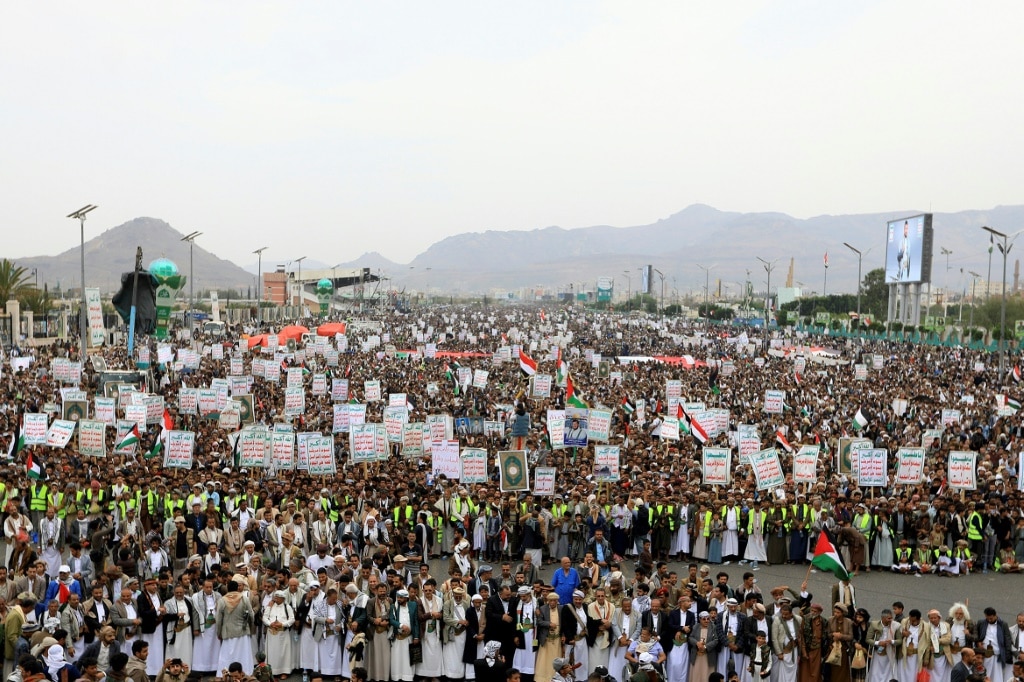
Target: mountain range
(554,257)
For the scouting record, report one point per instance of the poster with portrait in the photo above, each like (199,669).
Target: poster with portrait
(574,434)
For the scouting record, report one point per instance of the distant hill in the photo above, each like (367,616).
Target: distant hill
(109,254)
(556,257)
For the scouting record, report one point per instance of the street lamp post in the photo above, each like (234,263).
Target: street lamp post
(860,258)
(301,290)
(629,290)
(662,276)
(79,215)
(259,284)
(974,285)
(945,284)
(707,283)
(1004,249)
(191,239)
(768,267)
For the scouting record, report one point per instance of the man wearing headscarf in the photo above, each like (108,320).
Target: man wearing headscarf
(234,615)
(492,666)
(180,625)
(278,618)
(405,630)
(573,621)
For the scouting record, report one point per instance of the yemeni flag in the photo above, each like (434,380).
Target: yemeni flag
(628,406)
(826,259)
(1015,374)
(783,443)
(573,397)
(17,439)
(527,364)
(34,467)
(129,439)
(859,420)
(827,559)
(797,378)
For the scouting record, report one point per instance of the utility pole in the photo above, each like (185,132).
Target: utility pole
(79,215)
(707,283)
(191,239)
(259,284)
(768,267)
(860,257)
(662,276)
(301,290)
(1004,249)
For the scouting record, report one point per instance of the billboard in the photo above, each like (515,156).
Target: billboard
(605,286)
(908,250)
(645,279)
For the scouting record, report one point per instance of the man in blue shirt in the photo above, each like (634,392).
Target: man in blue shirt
(565,581)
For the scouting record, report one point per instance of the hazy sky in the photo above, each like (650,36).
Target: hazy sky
(333,128)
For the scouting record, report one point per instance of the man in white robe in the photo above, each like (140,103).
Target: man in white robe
(404,631)
(206,647)
(278,618)
(431,611)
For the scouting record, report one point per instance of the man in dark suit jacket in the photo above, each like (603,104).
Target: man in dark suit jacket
(1002,635)
(472,630)
(759,622)
(681,621)
(500,620)
(962,671)
(657,620)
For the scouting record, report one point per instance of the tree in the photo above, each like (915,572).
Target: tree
(875,294)
(13,279)
(39,302)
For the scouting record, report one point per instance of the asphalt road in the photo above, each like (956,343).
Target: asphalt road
(875,590)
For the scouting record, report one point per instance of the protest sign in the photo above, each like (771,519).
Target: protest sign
(371,391)
(445,459)
(774,401)
(962,470)
(871,468)
(180,445)
(556,428)
(541,385)
(767,469)
(544,480)
(473,462)
(92,438)
(60,432)
(412,439)
(599,424)
(910,466)
(716,464)
(282,450)
(320,455)
(480,378)
(294,401)
(805,464)
(35,425)
(319,384)
(606,464)
(362,442)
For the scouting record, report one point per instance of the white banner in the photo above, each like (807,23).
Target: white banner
(92,438)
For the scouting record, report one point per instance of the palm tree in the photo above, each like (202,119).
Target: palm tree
(13,280)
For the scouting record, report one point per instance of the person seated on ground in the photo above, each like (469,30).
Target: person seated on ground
(904,562)
(945,563)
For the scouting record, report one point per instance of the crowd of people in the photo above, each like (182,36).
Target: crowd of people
(122,568)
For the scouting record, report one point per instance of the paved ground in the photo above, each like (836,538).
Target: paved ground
(876,590)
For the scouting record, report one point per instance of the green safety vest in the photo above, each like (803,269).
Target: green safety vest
(558,510)
(903,555)
(437,523)
(457,504)
(39,497)
(88,496)
(170,507)
(974,529)
(750,522)
(707,524)
(57,502)
(150,502)
(671,515)
(409,513)
(865,525)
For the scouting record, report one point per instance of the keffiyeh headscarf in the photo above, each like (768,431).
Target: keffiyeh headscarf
(491,650)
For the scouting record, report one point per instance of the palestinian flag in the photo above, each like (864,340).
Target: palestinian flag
(693,426)
(450,375)
(34,467)
(859,420)
(1013,403)
(166,426)
(17,439)
(527,364)
(628,406)
(1015,374)
(131,438)
(573,398)
(783,443)
(561,369)
(827,558)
